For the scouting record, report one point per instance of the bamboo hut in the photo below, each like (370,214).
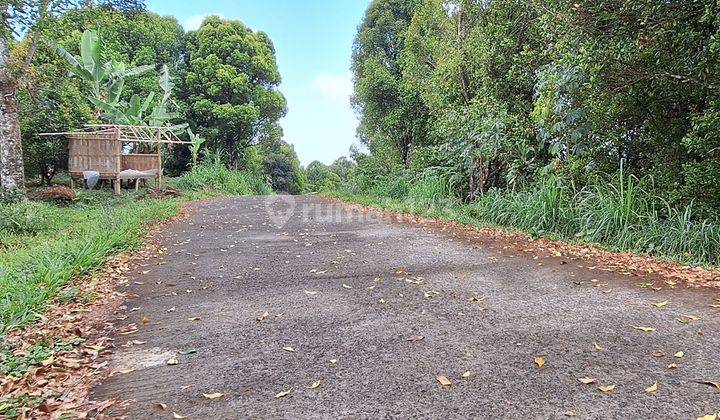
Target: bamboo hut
(117,153)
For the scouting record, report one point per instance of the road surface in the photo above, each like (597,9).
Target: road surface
(343,298)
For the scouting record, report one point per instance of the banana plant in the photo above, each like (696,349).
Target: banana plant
(197,142)
(106,78)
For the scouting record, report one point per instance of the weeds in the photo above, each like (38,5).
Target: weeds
(214,178)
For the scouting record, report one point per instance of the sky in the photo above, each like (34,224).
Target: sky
(313,41)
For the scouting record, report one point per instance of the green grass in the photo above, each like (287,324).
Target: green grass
(618,215)
(43,245)
(213,179)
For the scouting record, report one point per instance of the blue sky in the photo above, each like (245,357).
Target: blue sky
(313,42)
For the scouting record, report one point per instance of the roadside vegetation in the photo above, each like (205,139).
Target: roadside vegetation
(579,121)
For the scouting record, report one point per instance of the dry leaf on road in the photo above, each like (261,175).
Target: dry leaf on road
(644,329)
(263,316)
(444,381)
(283,393)
(607,388)
(539,361)
(652,388)
(711,383)
(213,396)
(587,380)
(314,384)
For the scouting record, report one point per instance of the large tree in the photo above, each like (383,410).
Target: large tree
(389,106)
(230,87)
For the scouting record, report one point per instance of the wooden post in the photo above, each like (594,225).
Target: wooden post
(116,186)
(159,156)
(72,182)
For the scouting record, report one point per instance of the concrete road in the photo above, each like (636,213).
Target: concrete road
(343,298)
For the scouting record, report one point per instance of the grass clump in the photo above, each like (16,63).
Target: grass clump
(214,178)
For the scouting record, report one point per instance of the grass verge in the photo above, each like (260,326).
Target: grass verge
(617,215)
(44,245)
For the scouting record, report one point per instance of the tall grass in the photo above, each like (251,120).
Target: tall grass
(618,214)
(214,178)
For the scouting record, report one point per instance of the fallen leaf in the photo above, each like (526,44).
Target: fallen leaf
(263,316)
(172,361)
(145,319)
(569,413)
(194,318)
(283,393)
(644,329)
(346,286)
(213,396)
(709,417)
(189,350)
(679,354)
(466,374)
(652,388)
(659,354)
(415,338)
(444,381)
(288,348)
(311,293)
(124,371)
(587,380)
(672,366)
(597,346)
(660,304)
(178,416)
(314,385)
(711,383)
(686,319)
(539,361)
(162,406)
(608,388)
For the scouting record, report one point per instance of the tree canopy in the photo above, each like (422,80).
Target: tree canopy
(230,85)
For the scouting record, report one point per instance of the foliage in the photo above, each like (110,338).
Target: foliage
(195,147)
(212,177)
(515,96)
(282,167)
(618,214)
(321,177)
(50,101)
(44,245)
(230,85)
(389,105)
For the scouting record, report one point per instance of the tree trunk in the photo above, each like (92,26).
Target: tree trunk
(12,174)
(406,152)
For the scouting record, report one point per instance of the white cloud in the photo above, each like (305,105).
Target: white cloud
(334,87)
(193,22)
